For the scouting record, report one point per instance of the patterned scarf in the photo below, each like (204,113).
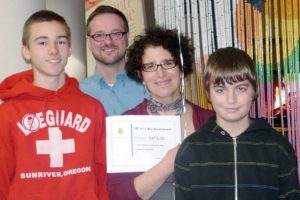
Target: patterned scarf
(154,107)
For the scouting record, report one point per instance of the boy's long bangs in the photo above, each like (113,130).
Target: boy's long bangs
(231,76)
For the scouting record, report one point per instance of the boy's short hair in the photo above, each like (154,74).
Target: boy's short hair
(230,65)
(43,16)
(102,10)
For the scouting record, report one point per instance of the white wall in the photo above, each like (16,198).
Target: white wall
(13,14)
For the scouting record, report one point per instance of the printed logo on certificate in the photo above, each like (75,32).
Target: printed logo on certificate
(137,142)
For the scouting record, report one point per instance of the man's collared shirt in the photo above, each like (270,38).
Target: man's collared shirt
(122,96)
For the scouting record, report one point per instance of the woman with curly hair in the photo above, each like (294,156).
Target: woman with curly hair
(154,60)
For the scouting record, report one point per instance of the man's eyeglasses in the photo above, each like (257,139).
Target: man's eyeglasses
(166,64)
(100,37)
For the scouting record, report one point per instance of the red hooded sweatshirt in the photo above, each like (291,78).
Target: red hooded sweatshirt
(52,143)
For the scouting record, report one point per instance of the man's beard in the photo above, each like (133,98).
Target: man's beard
(114,61)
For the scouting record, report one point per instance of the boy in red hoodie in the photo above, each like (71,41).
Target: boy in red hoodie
(52,136)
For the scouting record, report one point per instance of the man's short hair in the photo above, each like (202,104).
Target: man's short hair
(106,9)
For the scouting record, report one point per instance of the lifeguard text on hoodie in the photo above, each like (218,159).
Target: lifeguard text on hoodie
(52,143)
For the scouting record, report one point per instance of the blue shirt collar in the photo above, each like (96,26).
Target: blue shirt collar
(121,76)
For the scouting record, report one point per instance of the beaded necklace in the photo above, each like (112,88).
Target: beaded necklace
(154,107)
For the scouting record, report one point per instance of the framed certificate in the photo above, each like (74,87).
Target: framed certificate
(137,142)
